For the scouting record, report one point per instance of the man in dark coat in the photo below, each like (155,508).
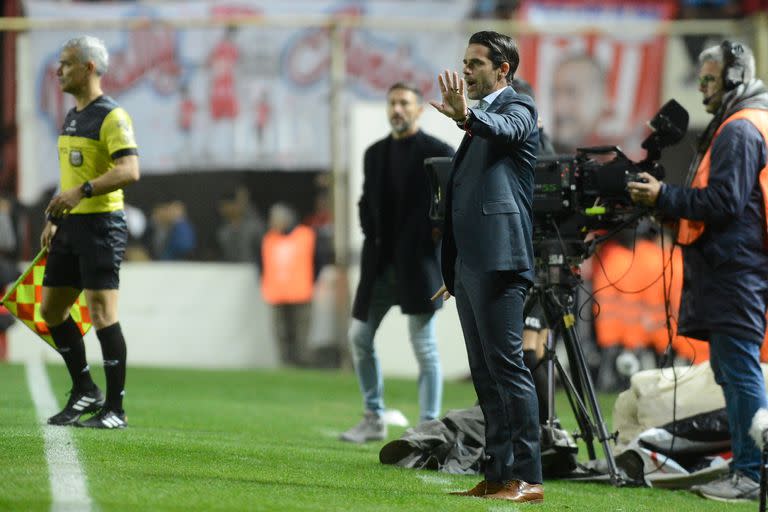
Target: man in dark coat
(399,262)
(722,228)
(487,257)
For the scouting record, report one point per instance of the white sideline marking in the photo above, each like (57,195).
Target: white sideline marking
(433,479)
(69,491)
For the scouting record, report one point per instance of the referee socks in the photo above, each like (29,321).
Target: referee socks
(69,342)
(114,352)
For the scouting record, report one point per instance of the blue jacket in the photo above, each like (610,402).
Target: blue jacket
(488,202)
(725,279)
(180,243)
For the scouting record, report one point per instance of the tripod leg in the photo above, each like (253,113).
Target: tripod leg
(572,392)
(763,477)
(579,409)
(550,378)
(579,388)
(579,362)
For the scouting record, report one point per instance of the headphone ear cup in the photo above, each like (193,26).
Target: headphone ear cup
(733,68)
(734,76)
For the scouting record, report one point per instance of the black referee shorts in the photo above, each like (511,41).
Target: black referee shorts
(87,251)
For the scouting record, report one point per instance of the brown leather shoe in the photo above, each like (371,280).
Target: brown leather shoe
(518,491)
(480,489)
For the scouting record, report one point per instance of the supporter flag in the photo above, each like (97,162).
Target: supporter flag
(23,301)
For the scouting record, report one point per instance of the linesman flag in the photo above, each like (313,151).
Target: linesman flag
(23,301)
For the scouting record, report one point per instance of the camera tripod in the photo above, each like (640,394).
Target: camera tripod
(555,292)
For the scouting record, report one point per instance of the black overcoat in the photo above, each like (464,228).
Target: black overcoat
(415,255)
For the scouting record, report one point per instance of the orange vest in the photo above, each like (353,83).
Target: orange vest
(615,312)
(690,230)
(288,266)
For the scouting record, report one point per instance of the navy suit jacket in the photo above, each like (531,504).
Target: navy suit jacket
(488,202)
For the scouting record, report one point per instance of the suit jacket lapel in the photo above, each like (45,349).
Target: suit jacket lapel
(493,107)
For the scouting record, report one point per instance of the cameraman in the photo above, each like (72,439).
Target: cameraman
(722,212)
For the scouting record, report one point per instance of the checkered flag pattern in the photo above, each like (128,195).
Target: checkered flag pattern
(23,301)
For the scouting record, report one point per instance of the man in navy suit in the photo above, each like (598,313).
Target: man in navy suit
(487,257)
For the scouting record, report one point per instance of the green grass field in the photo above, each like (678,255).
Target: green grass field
(261,440)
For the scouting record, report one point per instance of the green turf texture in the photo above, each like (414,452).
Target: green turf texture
(263,440)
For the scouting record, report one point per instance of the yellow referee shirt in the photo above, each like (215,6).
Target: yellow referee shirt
(90,141)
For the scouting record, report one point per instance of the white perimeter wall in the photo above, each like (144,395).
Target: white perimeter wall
(212,316)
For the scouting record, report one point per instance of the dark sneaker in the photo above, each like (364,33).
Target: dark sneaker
(730,488)
(78,404)
(105,418)
(371,428)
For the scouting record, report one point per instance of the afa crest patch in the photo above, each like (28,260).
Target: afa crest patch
(75,158)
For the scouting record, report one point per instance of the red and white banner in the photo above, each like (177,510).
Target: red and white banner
(258,97)
(229,98)
(599,87)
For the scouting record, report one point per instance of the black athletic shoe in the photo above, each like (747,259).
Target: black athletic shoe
(78,403)
(105,418)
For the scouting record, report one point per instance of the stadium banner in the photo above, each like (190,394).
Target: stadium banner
(24,298)
(245,97)
(251,97)
(599,87)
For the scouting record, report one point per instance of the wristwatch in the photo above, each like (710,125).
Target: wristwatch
(87,189)
(464,123)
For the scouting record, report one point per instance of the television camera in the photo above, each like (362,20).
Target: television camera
(574,195)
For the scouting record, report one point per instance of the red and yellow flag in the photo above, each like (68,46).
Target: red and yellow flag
(23,301)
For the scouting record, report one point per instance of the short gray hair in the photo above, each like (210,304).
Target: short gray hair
(282,212)
(746,60)
(90,48)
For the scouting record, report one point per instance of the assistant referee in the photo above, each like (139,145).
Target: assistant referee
(86,233)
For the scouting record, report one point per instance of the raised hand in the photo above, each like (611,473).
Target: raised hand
(454,103)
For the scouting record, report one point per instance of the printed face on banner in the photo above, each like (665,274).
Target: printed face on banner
(578,99)
(599,87)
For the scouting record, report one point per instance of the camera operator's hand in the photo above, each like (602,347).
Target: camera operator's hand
(454,103)
(646,192)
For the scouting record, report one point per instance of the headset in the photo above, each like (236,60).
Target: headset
(733,65)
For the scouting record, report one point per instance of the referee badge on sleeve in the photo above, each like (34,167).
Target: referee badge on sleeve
(75,158)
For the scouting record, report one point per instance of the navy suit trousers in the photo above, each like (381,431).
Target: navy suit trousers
(490,307)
